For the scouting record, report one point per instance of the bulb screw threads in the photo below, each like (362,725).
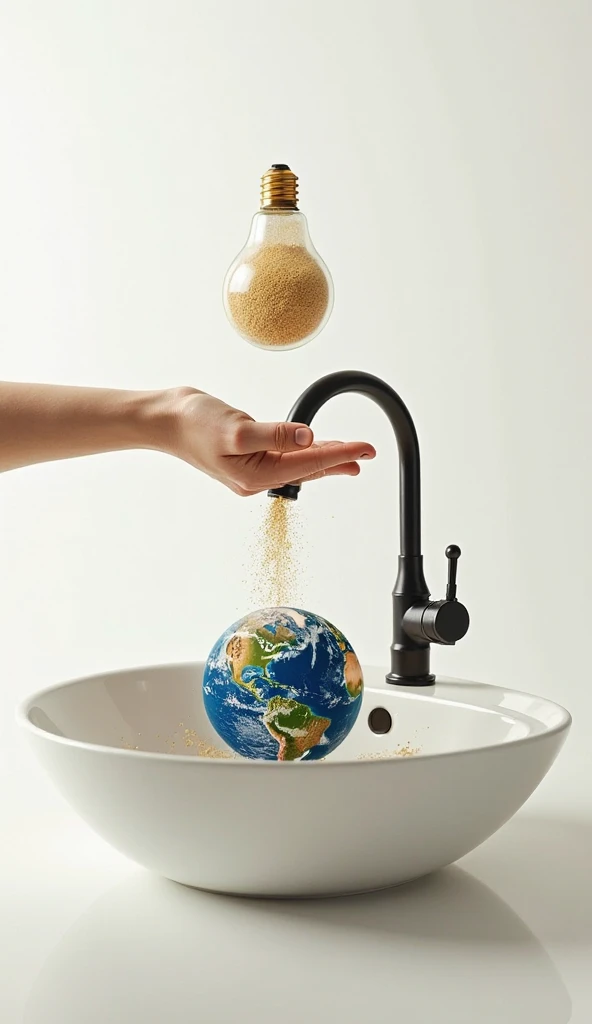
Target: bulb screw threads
(279,188)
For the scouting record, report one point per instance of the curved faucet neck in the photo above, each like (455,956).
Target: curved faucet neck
(399,416)
(410,650)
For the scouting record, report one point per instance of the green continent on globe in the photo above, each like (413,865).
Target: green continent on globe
(294,726)
(254,649)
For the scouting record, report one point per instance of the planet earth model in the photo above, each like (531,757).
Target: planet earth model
(282,684)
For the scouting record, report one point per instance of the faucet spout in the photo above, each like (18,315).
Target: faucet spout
(410,651)
(389,401)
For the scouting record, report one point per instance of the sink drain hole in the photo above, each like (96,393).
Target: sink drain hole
(380,721)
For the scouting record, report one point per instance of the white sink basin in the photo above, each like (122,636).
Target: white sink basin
(126,751)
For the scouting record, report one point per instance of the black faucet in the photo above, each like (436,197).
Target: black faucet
(417,621)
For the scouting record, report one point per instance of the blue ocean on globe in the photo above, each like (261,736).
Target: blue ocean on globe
(282,684)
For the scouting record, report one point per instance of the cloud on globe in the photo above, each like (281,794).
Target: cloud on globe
(282,684)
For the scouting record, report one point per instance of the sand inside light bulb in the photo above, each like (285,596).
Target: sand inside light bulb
(285,299)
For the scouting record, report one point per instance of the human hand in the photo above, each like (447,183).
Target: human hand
(249,457)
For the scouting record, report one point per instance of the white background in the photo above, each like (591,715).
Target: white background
(444,157)
(444,154)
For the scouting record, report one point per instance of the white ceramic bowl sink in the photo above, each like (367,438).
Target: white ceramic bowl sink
(460,759)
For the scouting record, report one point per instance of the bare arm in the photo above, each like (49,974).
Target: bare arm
(43,422)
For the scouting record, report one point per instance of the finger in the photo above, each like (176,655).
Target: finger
(281,469)
(250,436)
(329,444)
(346,469)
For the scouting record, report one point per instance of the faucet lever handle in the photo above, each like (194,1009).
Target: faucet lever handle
(453,555)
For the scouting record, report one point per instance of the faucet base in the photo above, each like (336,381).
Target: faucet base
(410,662)
(427,680)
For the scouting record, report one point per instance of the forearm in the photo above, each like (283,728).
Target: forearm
(43,422)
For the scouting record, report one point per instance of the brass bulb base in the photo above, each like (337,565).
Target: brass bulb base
(279,189)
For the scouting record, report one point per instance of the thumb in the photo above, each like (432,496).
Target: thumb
(273,437)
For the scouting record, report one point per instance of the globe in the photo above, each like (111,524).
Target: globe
(282,684)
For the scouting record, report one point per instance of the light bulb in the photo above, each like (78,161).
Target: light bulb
(278,293)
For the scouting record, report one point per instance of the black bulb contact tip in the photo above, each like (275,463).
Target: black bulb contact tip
(288,491)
